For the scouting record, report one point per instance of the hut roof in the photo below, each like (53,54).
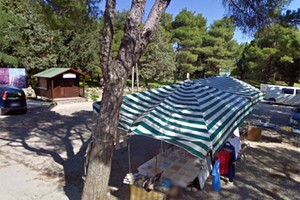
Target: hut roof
(52,72)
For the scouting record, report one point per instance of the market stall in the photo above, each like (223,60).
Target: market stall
(196,118)
(167,173)
(182,168)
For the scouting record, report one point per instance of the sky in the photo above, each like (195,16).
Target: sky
(210,9)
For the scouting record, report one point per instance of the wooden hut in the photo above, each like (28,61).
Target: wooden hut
(60,83)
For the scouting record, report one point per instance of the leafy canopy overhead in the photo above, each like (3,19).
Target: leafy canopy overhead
(253,15)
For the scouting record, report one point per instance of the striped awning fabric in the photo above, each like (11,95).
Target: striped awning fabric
(233,85)
(196,117)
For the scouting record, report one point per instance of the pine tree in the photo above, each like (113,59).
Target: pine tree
(158,61)
(188,32)
(219,50)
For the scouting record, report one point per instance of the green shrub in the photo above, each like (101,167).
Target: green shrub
(94,97)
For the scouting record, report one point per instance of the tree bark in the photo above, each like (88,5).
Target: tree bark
(115,74)
(242,72)
(101,148)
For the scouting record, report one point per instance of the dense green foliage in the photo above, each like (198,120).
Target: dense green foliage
(188,30)
(274,54)
(39,34)
(158,61)
(219,50)
(8,37)
(36,36)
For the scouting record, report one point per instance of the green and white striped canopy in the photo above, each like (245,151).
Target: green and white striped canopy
(196,117)
(235,86)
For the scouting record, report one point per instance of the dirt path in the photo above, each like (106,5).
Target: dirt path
(48,143)
(21,182)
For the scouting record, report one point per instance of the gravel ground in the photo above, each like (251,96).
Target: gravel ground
(42,156)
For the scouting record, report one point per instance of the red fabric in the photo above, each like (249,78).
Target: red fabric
(223,156)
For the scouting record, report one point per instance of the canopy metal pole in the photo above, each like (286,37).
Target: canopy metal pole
(129,158)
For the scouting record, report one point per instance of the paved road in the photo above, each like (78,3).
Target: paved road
(274,114)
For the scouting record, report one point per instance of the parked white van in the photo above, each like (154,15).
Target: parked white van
(282,94)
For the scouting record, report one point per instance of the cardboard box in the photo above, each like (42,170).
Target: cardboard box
(254,133)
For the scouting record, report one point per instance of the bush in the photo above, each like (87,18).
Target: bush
(94,97)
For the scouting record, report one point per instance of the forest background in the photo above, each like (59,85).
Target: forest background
(38,35)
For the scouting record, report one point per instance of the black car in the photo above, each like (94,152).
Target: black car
(12,99)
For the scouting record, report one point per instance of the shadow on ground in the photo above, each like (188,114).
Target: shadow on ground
(42,134)
(45,133)
(142,149)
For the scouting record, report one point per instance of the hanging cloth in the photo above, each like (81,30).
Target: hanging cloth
(231,167)
(216,182)
(236,142)
(223,156)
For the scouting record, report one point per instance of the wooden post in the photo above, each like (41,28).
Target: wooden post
(137,77)
(83,91)
(52,88)
(132,80)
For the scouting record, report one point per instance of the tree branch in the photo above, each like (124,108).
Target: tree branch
(135,16)
(132,28)
(151,25)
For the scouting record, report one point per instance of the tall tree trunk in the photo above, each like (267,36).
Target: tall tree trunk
(291,83)
(269,70)
(242,69)
(115,73)
(293,72)
(99,155)
(175,76)
(203,73)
